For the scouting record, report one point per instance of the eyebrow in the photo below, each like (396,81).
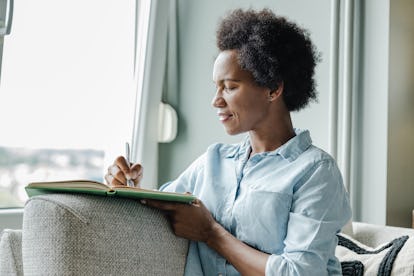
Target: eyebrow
(229,79)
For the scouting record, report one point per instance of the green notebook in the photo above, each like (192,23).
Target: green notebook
(101,189)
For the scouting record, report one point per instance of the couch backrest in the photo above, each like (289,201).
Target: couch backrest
(67,234)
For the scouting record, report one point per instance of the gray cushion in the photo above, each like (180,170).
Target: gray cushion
(11,252)
(69,234)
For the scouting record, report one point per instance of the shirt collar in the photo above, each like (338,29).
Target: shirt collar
(289,151)
(295,146)
(238,149)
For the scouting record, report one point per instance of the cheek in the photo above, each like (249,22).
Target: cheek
(247,103)
(253,106)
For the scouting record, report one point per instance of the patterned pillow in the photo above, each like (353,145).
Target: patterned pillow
(393,258)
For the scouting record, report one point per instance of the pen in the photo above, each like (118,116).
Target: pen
(130,183)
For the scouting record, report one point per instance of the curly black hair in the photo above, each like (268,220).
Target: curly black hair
(274,50)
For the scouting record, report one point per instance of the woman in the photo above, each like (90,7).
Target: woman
(273,203)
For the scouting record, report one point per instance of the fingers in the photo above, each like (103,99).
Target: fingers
(159,204)
(168,206)
(136,173)
(120,172)
(117,174)
(115,177)
(122,164)
(113,181)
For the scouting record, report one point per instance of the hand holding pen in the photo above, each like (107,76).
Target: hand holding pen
(123,173)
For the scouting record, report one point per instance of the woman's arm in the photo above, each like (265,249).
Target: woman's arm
(247,260)
(195,222)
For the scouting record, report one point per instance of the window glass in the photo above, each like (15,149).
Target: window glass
(67,92)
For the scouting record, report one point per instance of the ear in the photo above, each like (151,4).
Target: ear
(276,93)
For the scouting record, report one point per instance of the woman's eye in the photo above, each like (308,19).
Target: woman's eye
(229,88)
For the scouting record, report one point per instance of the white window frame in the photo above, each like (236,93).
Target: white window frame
(150,83)
(147,34)
(6,19)
(12,217)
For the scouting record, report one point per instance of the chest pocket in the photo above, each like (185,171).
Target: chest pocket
(262,218)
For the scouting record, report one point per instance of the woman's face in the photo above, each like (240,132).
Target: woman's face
(242,104)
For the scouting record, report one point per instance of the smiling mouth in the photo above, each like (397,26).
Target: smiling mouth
(224,117)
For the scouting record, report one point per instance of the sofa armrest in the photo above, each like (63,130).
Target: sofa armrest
(11,252)
(373,235)
(67,234)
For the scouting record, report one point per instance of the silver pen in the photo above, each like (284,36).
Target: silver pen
(130,182)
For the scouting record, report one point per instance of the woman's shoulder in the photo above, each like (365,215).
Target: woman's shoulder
(315,157)
(318,154)
(227,149)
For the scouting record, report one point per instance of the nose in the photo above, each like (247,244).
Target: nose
(218,100)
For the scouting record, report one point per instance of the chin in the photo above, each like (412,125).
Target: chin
(233,131)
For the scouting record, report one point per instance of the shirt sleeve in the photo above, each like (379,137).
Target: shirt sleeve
(320,208)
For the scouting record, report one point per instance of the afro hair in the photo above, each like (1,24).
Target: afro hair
(274,50)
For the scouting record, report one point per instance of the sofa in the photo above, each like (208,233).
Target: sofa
(67,234)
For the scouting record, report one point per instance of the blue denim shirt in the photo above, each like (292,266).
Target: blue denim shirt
(289,203)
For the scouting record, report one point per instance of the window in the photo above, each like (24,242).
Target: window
(67,92)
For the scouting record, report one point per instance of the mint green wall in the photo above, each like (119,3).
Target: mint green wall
(400,188)
(198,123)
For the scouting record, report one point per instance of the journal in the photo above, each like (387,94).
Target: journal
(101,189)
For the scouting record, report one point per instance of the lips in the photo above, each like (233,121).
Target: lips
(224,116)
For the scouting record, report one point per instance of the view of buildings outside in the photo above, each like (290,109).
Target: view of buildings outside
(19,166)
(67,101)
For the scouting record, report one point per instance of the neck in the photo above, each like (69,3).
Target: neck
(273,137)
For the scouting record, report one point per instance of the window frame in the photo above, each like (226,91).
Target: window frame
(13,217)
